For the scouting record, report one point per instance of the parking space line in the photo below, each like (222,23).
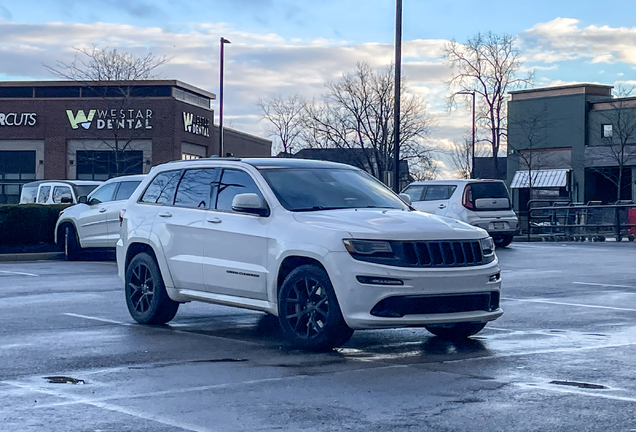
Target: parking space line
(605,285)
(575,391)
(74,400)
(166,328)
(18,273)
(569,304)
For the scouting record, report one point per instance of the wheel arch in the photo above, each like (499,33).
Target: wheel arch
(58,237)
(290,263)
(137,248)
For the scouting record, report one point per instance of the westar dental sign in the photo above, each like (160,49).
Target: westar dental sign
(196,125)
(17,119)
(111,119)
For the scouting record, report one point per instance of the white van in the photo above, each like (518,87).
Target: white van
(56,191)
(482,203)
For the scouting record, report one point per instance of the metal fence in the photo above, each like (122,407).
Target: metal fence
(567,221)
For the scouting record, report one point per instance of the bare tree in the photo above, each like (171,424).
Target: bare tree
(357,114)
(285,116)
(107,65)
(528,143)
(90,69)
(461,156)
(426,168)
(619,136)
(487,64)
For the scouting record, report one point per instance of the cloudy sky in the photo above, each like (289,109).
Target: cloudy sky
(289,46)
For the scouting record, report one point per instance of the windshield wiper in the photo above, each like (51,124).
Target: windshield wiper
(317,208)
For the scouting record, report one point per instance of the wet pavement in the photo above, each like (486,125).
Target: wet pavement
(562,358)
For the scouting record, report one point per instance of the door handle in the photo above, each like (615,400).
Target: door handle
(165,215)
(215,220)
(102,210)
(442,206)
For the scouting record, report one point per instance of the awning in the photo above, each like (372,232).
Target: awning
(540,179)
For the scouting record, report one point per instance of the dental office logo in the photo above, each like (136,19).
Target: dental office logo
(110,119)
(18,119)
(196,125)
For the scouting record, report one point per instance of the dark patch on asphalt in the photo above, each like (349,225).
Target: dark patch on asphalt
(64,380)
(468,401)
(222,360)
(579,385)
(162,365)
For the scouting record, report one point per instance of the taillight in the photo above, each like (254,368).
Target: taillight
(121,216)
(466,198)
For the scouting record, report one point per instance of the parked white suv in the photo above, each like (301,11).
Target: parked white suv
(482,203)
(94,222)
(324,246)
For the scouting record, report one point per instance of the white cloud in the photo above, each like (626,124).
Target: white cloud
(564,39)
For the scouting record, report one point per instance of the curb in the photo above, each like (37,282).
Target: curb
(41,256)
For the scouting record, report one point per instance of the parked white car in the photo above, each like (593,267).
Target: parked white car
(94,222)
(482,203)
(323,246)
(56,191)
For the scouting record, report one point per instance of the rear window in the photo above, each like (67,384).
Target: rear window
(29,194)
(476,191)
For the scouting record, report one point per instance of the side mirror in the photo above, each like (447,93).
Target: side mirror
(66,200)
(83,199)
(406,198)
(250,203)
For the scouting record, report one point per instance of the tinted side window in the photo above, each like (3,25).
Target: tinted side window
(161,189)
(234,182)
(103,194)
(438,192)
(43,195)
(415,192)
(126,188)
(195,188)
(60,192)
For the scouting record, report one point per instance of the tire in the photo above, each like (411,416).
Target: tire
(308,310)
(456,331)
(503,240)
(67,238)
(146,296)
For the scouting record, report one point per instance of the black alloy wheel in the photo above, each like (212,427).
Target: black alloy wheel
(309,312)
(72,249)
(146,297)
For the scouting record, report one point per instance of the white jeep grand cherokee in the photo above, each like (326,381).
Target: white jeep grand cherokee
(324,246)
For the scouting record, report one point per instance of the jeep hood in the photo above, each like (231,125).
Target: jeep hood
(390,224)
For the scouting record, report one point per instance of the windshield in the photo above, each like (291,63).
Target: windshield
(311,189)
(84,190)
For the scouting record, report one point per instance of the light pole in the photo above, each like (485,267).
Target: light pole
(472,159)
(223,42)
(396,108)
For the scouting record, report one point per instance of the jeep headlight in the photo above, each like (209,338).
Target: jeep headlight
(367,247)
(487,249)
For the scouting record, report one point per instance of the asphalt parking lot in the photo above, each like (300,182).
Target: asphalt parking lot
(560,359)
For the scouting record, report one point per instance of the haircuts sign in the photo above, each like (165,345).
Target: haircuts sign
(18,119)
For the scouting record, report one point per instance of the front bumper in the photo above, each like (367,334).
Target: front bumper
(362,304)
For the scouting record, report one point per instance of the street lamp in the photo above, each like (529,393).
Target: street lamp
(223,42)
(472,162)
(396,108)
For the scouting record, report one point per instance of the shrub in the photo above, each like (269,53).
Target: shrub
(28,224)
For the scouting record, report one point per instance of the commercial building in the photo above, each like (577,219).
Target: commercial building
(98,130)
(572,142)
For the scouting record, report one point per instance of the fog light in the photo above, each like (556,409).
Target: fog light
(372,280)
(495,277)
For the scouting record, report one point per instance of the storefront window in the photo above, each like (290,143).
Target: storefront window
(102,165)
